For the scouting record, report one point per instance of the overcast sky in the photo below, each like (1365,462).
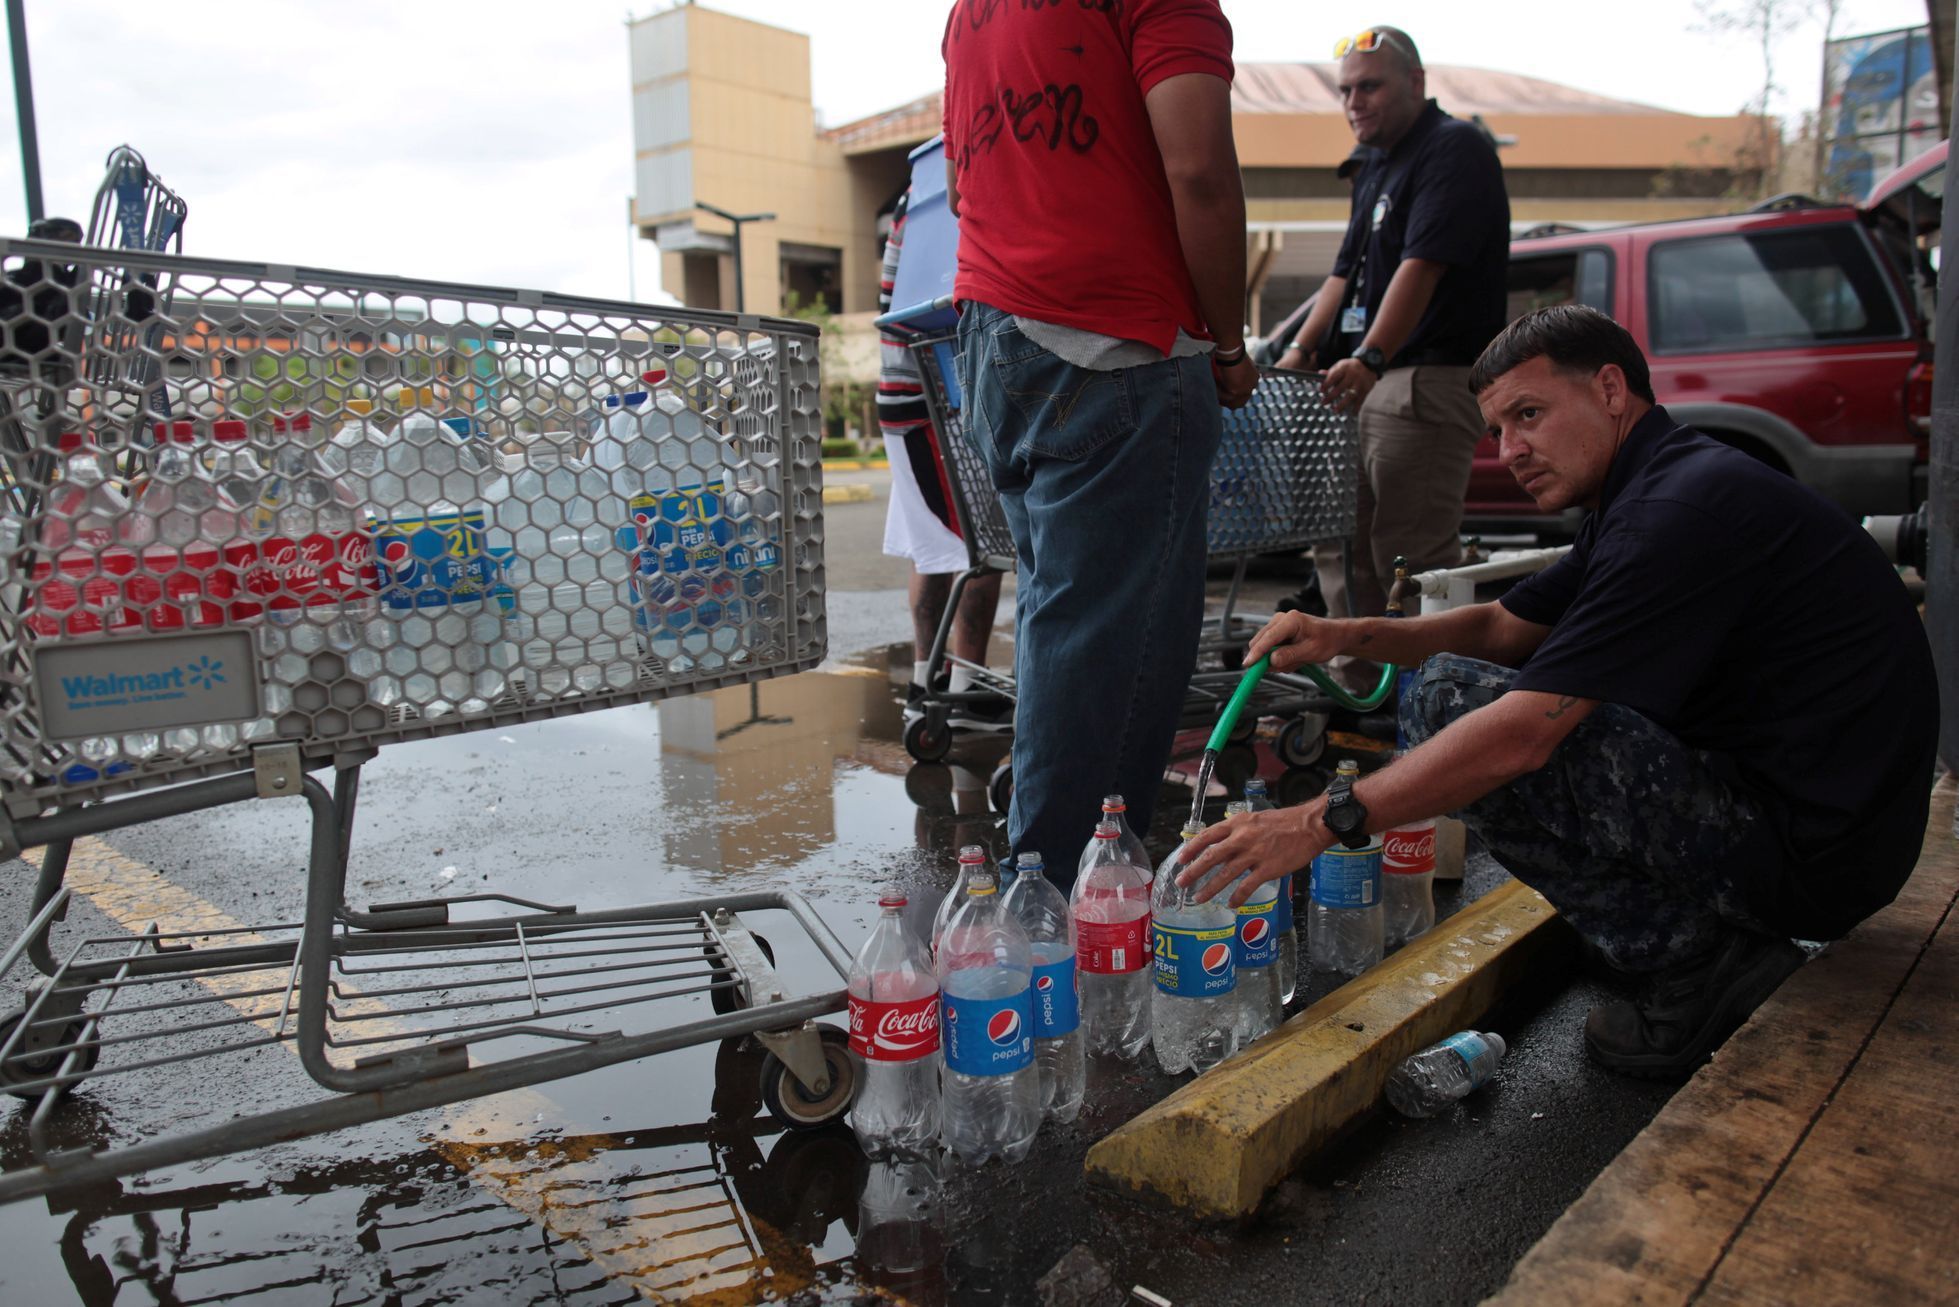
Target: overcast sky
(491,140)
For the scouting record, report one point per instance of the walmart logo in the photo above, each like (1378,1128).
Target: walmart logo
(206,672)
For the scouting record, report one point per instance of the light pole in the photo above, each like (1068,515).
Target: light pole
(737,221)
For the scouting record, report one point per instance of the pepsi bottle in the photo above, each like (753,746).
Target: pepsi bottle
(992,1090)
(1255,954)
(1112,943)
(1043,913)
(1193,1011)
(894,1038)
(1260,800)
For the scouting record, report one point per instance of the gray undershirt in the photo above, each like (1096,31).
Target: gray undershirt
(1099,353)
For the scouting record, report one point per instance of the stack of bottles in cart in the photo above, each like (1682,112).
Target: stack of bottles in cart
(971,1039)
(407,564)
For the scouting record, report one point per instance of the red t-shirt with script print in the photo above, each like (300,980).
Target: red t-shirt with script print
(1064,212)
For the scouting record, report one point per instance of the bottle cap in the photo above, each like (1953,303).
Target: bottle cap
(175,433)
(461,426)
(1030,862)
(230,431)
(891,897)
(292,422)
(654,376)
(360,407)
(1106,830)
(1495,1041)
(1347,767)
(70,441)
(1254,786)
(1236,809)
(416,396)
(1114,803)
(972,853)
(1192,829)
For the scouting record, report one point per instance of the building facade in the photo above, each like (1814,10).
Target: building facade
(722,115)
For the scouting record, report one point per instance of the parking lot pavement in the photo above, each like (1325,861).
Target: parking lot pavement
(661,1179)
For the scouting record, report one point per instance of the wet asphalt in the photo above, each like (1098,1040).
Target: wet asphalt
(662,1179)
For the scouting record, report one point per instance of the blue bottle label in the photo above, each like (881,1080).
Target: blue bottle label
(1257,941)
(1057,1006)
(434,560)
(989,1036)
(1473,1049)
(1347,878)
(1195,963)
(1282,918)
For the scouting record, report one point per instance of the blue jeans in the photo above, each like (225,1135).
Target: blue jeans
(1634,837)
(1104,479)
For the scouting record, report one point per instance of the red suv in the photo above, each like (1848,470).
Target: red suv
(1797,331)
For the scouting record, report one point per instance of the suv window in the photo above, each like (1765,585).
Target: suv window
(1538,281)
(1761,290)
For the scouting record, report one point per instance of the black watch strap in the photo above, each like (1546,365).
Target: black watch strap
(1373,360)
(1346,816)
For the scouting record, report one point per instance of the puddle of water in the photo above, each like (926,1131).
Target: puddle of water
(657,1180)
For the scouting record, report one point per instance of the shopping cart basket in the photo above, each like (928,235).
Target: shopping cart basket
(364,511)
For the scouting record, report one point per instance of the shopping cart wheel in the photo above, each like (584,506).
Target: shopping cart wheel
(1301,742)
(926,742)
(1000,789)
(792,1104)
(727,998)
(1244,728)
(41,1053)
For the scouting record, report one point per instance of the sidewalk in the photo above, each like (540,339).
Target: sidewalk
(1816,1158)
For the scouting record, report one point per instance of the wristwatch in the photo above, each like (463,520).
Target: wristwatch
(1346,816)
(1373,360)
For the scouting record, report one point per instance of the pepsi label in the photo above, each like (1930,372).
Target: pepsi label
(438,559)
(1195,963)
(1257,941)
(989,1036)
(1057,1009)
(1348,878)
(1282,915)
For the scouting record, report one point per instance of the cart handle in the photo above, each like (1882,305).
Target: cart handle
(904,317)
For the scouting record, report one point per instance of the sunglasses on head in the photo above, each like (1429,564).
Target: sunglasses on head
(1366,43)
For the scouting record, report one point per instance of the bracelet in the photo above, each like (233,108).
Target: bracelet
(1237,356)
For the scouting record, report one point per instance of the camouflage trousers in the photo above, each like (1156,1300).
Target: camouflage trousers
(1633,836)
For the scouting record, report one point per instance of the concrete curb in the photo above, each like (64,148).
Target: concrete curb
(857,494)
(1218,1144)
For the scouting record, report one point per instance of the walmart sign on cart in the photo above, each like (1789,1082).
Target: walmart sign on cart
(116,686)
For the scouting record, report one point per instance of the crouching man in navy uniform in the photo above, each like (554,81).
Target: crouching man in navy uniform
(1705,733)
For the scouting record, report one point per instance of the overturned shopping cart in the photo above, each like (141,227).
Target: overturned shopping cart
(267,521)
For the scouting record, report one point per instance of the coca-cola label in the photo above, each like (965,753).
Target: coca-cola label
(1113,948)
(166,590)
(894,1032)
(1409,851)
(282,573)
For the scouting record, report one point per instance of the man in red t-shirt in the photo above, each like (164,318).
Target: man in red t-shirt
(1102,284)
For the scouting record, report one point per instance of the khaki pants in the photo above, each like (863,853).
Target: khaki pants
(1418,432)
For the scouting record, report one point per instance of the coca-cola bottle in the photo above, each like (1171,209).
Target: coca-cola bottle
(1407,881)
(894,1038)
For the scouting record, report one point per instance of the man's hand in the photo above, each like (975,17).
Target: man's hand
(1236,382)
(1295,639)
(1295,360)
(1347,385)
(1266,845)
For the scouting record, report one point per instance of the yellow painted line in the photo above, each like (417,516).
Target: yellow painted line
(854,494)
(670,1242)
(856,464)
(1218,1144)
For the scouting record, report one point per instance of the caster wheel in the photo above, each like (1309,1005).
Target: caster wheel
(727,998)
(795,1106)
(926,742)
(1000,789)
(1301,742)
(41,1053)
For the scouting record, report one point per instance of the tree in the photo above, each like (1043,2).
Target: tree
(1764,23)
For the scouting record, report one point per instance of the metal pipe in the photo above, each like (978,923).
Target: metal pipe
(30,144)
(1502,567)
(1942,543)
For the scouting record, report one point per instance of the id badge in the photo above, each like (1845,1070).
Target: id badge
(1353,321)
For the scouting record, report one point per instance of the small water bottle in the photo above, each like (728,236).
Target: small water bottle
(1438,1076)
(1344,918)
(1043,913)
(1260,800)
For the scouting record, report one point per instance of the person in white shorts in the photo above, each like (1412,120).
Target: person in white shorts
(922,524)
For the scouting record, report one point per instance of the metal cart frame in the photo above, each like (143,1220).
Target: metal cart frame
(393,1007)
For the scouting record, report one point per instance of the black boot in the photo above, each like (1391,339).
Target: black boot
(1689,1009)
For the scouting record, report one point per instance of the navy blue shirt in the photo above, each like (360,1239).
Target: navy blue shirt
(1749,617)
(1439,196)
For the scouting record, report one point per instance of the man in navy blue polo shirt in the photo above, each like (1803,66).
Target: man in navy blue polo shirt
(1416,293)
(1707,731)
